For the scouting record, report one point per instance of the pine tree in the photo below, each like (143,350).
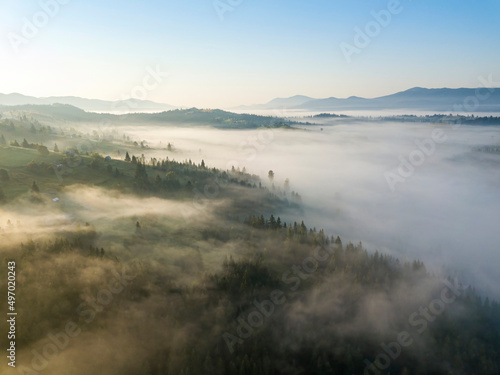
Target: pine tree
(127,157)
(272,222)
(42,150)
(141,175)
(338,241)
(56,149)
(270,174)
(158,180)
(34,188)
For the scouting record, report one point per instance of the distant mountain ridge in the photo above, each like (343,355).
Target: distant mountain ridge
(417,98)
(61,114)
(92,105)
(279,103)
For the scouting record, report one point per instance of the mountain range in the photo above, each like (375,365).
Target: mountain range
(63,114)
(91,105)
(417,98)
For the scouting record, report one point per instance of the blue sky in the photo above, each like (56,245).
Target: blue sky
(258,51)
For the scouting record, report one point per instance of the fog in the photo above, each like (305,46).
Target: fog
(290,113)
(445,213)
(60,284)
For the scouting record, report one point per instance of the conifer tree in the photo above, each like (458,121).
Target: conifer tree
(35,188)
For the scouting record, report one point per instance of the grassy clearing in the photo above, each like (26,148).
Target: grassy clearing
(15,160)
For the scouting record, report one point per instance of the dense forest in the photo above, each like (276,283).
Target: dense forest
(294,301)
(138,265)
(433,119)
(184,117)
(446,119)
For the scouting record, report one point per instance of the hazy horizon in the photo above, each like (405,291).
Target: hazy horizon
(209,54)
(250,187)
(338,169)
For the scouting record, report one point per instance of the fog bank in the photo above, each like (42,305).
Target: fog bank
(444,213)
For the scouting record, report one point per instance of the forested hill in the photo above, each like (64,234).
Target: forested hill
(215,118)
(212,283)
(453,119)
(58,112)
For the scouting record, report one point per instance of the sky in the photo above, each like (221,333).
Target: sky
(227,53)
